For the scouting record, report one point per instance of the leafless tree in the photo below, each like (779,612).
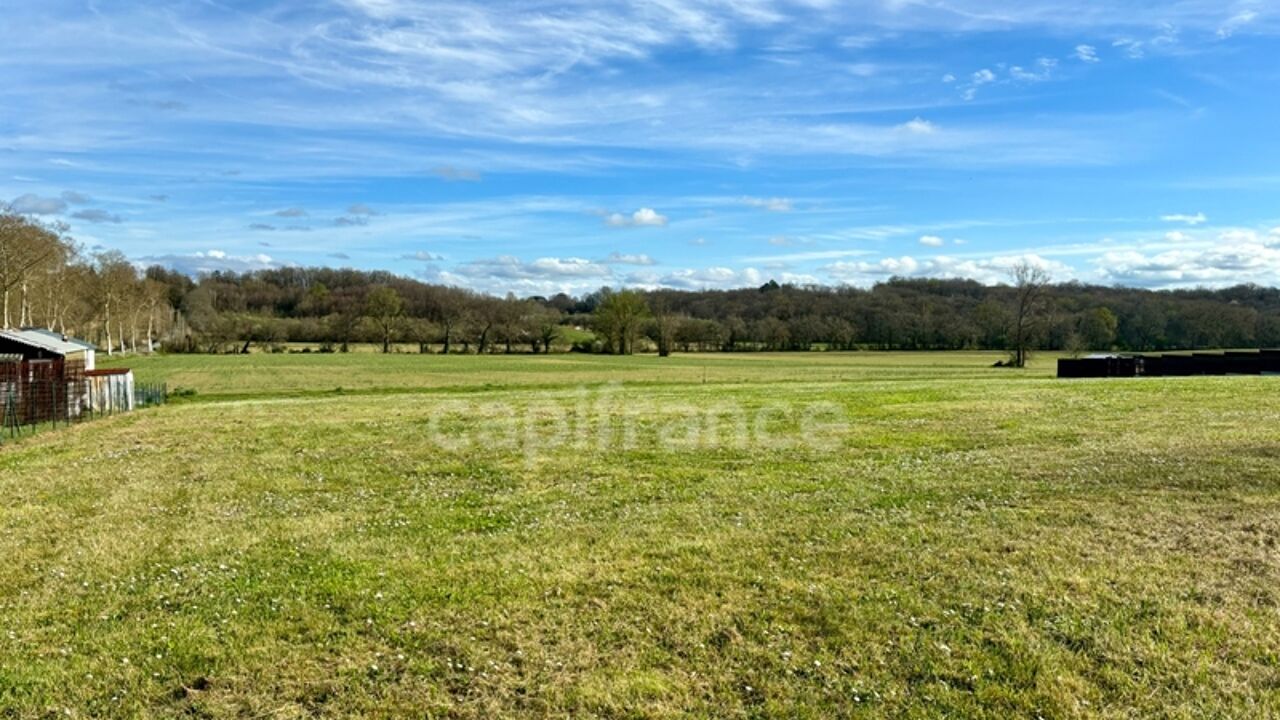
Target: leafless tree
(26,248)
(1030,282)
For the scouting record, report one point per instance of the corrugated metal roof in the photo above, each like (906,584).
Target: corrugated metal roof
(53,343)
(84,344)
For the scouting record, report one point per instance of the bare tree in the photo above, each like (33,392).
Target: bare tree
(116,278)
(1029,283)
(155,303)
(26,246)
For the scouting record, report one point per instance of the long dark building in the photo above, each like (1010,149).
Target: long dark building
(1253,362)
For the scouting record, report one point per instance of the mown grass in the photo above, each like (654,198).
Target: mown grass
(964,542)
(285,374)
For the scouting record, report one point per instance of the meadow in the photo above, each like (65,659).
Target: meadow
(758,535)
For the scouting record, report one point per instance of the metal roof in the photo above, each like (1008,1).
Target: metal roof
(84,344)
(51,342)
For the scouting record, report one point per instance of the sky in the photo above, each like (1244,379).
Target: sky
(537,147)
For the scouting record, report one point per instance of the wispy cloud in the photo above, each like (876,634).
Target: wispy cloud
(422,256)
(1087,53)
(1197,219)
(773,204)
(96,215)
(456,174)
(617,258)
(31,204)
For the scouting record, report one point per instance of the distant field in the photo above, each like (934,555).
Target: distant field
(261,374)
(817,535)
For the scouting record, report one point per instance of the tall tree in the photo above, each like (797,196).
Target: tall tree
(619,317)
(1029,283)
(25,247)
(116,280)
(385,308)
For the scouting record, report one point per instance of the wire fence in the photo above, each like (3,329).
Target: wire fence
(56,392)
(149,395)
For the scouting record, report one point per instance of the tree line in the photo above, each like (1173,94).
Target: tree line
(48,280)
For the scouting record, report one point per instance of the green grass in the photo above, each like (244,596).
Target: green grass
(967,542)
(279,375)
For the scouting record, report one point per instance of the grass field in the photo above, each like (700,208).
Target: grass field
(818,535)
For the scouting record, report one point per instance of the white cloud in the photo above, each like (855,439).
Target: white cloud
(1043,71)
(506,273)
(361,209)
(511,267)
(1177,236)
(1087,53)
(712,278)
(1236,235)
(1235,22)
(1134,49)
(422,256)
(211,261)
(644,217)
(1197,219)
(983,76)
(1239,256)
(773,204)
(989,271)
(931,241)
(617,258)
(948,78)
(918,126)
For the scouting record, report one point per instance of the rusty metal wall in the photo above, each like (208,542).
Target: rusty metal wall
(37,392)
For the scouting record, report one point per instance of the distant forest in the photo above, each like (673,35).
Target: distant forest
(46,281)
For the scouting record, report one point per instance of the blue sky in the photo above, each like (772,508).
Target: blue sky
(538,147)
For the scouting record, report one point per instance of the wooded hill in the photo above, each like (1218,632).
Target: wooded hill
(47,281)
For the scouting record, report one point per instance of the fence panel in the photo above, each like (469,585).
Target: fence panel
(54,392)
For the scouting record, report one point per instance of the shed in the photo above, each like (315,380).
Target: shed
(38,344)
(110,390)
